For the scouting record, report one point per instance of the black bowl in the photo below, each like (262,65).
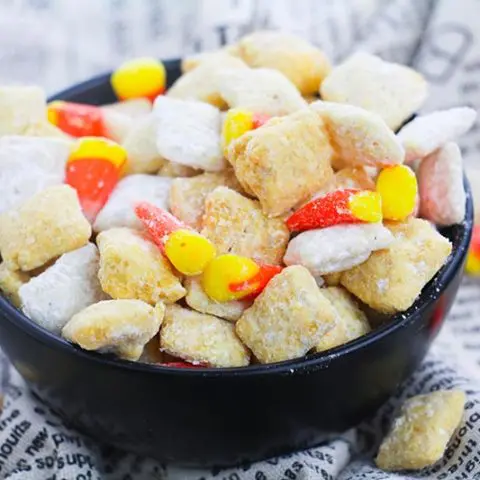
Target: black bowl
(208,417)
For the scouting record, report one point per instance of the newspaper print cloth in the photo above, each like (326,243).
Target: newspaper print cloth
(64,41)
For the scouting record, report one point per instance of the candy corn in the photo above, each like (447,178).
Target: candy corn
(233,277)
(188,251)
(141,77)
(76,119)
(93,169)
(472,266)
(398,188)
(239,121)
(338,207)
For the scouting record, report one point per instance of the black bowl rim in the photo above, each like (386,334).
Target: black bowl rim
(321,360)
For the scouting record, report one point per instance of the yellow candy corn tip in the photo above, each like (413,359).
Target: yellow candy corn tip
(366,206)
(140,77)
(97,147)
(472,265)
(398,188)
(189,251)
(52,113)
(237,122)
(225,270)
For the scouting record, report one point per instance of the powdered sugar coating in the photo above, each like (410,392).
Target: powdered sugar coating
(62,290)
(336,248)
(426,133)
(440,181)
(188,132)
(119,209)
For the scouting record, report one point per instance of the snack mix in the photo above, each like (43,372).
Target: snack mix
(256,211)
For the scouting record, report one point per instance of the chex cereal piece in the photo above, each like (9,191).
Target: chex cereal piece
(283,174)
(332,279)
(119,326)
(426,133)
(391,279)
(28,166)
(132,267)
(388,89)
(215,57)
(141,146)
(117,125)
(260,90)
(351,322)
(198,300)
(359,137)
(21,107)
(178,120)
(440,179)
(151,352)
(135,108)
(200,338)
(62,290)
(187,195)
(45,129)
(10,283)
(236,224)
(119,211)
(201,83)
(337,248)
(39,230)
(303,64)
(173,170)
(288,318)
(421,432)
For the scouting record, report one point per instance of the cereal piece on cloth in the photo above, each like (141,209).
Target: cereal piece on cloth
(173,170)
(143,77)
(261,90)
(187,195)
(283,174)
(199,338)
(359,137)
(21,107)
(351,322)
(39,231)
(141,146)
(188,133)
(392,278)
(337,248)
(10,283)
(236,224)
(135,108)
(201,83)
(303,64)
(388,89)
(420,434)
(288,318)
(119,211)
(426,133)
(62,290)
(440,178)
(198,300)
(123,327)
(132,267)
(28,166)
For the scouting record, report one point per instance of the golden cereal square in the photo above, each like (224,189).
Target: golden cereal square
(132,267)
(284,162)
(236,224)
(120,326)
(303,64)
(44,227)
(419,435)
(392,278)
(351,322)
(288,318)
(187,195)
(198,300)
(10,283)
(200,338)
